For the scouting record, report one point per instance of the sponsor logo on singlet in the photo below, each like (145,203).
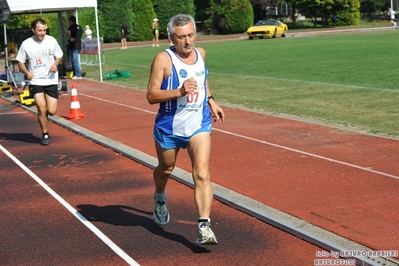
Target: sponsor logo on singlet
(183,73)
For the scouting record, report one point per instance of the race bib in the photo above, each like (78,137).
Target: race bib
(193,100)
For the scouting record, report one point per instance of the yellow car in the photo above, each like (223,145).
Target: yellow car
(267,28)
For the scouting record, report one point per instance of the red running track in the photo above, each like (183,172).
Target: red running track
(342,181)
(114,194)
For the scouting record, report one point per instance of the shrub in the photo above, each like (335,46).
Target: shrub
(143,16)
(165,9)
(229,16)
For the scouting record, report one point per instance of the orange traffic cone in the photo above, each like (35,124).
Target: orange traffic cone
(75,106)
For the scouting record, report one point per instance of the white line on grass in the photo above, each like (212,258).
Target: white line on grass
(262,142)
(287,80)
(306,81)
(81,218)
(132,65)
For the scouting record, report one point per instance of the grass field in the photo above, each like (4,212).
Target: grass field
(349,79)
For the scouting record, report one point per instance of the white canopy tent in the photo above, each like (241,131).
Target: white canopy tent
(45,6)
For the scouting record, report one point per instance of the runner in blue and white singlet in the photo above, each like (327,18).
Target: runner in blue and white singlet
(179,84)
(183,116)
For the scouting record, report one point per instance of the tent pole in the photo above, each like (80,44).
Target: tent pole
(98,45)
(6,52)
(10,75)
(61,32)
(77,22)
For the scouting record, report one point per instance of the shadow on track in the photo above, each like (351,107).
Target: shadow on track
(123,216)
(23,137)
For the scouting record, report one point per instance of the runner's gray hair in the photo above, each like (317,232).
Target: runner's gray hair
(180,20)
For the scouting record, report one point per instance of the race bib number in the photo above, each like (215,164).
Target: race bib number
(38,61)
(192,101)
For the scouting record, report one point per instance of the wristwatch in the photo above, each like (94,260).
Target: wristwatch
(211,97)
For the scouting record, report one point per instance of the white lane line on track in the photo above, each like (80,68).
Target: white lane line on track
(309,154)
(89,225)
(263,142)
(120,104)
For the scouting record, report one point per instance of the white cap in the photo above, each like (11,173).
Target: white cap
(155,19)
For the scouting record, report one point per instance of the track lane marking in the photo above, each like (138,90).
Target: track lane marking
(120,104)
(309,154)
(262,142)
(81,218)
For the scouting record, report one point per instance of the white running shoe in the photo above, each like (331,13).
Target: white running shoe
(205,236)
(161,213)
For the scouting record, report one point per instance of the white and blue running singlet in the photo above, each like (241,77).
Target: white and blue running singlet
(185,115)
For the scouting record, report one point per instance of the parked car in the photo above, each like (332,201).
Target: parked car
(267,28)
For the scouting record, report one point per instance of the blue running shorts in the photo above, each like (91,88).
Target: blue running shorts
(172,141)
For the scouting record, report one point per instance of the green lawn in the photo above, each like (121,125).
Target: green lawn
(349,79)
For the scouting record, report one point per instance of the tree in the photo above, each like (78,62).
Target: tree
(87,16)
(347,10)
(229,16)
(113,12)
(23,22)
(294,8)
(200,9)
(372,6)
(260,7)
(239,16)
(165,9)
(144,14)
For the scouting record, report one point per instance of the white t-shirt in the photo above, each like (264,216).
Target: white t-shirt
(392,14)
(40,55)
(88,34)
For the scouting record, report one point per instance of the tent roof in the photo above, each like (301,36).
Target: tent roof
(23,6)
